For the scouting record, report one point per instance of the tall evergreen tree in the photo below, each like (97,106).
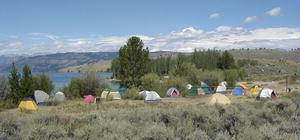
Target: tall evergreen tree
(180,67)
(14,82)
(134,62)
(226,61)
(26,82)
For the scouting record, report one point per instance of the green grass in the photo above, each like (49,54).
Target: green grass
(271,119)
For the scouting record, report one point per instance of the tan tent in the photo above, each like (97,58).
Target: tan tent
(200,91)
(114,94)
(219,99)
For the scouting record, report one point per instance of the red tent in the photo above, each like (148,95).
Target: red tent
(89,99)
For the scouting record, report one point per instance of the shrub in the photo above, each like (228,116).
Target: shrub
(176,82)
(231,76)
(150,82)
(74,89)
(88,84)
(3,88)
(212,78)
(133,93)
(43,82)
(7,104)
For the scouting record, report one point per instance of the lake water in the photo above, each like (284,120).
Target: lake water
(60,79)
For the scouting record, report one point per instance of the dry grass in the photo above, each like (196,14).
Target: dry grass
(173,118)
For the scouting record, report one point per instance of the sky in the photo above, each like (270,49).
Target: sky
(34,27)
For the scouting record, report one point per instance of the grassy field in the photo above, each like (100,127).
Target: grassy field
(173,118)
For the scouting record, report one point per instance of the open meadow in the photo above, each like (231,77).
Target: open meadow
(172,118)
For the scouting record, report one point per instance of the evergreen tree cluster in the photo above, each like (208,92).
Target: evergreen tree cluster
(23,85)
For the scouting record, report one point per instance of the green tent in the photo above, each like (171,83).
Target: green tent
(193,91)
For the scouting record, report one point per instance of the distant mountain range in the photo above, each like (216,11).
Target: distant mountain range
(55,62)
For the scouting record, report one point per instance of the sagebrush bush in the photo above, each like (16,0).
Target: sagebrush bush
(150,82)
(275,120)
(133,93)
(3,88)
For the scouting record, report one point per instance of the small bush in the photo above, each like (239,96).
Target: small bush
(212,78)
(7,104)
(3,88)
(133,93)
(88,84)
(176,82)
(150,82)
(231,76)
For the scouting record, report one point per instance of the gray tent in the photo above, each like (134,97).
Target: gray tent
(152,97)
(59,96)
(40,97)
(173,92)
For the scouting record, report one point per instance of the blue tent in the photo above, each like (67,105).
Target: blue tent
(206,88)
(238,90)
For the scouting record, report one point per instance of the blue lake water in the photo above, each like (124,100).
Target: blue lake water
(60,79)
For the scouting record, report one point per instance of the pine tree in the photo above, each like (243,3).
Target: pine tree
(226,61)
(14,82)
(180,68)
(26,82)
(134,62)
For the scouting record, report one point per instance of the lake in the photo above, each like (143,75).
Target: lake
(60,79)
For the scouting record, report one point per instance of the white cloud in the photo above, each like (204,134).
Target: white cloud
(274,11)
(214,16)
(250,19)
(223,28)
(185,40)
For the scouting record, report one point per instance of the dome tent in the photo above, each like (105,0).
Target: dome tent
(89,99)
(108,92)
(41,97)
(152,97)
(59,96)
(173,92)
(238,90)
(27,103)
(205,88)
(266,93)
(255,90)
(222,87)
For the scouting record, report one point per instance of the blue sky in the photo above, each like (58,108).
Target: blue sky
(37,24)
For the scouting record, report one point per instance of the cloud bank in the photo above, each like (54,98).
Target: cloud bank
(185,40)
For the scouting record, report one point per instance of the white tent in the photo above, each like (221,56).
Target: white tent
(188,86)
(173,92)
(40,97)
(222,87)
(152,97)
(144,92)
(59,96)
(267,93)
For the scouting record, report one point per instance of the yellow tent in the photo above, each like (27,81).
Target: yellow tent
(28,104)
(255,90)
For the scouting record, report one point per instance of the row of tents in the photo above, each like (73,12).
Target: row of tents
(41,98)
(241,89)
(153,96)
(150,96)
